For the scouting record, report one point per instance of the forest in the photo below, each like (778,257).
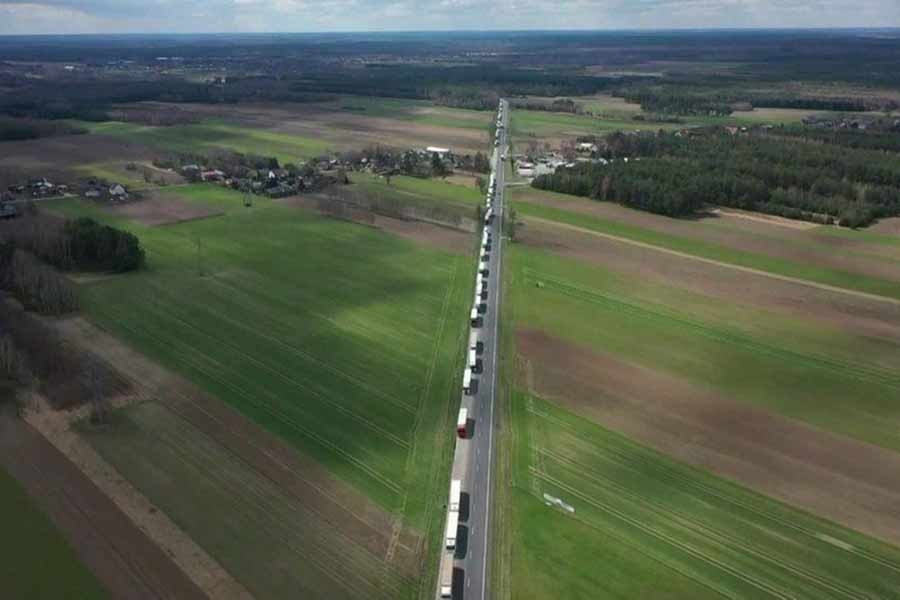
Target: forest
(677,175)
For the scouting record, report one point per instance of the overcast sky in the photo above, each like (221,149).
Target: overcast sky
(186,16)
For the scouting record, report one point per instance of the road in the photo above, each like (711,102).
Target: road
(473,461)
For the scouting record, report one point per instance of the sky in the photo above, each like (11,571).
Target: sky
(203,16)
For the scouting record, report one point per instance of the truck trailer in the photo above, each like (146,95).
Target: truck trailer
(462,422)
(467,382)
(447,576)
(452,526)
(474,344)
(455,495)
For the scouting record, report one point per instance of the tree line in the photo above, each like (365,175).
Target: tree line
(35,247)
(677,175)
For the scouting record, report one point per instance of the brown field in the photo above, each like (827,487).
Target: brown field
(426,234)
(887,226)
(846,311)
(852,483)
(160,210)
(122,557)
(737,231)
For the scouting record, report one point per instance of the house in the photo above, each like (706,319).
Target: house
(92,193)
(8,211)
(587,147)
(213,175)
(441,152)
(117,192)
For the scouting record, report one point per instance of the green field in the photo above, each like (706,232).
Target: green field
(644,525)
(758,357)
(542,124)
(35,561)
(421,192)
(214,135)
(779,266)
(343,340)
(647,527)
(263,536)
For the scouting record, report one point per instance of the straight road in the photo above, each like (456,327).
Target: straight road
(473,462)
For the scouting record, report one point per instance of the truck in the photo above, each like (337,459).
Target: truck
(474,344)
(474,364)
(452,526)
(467,382)
(447,576)
(455,494)
(462,423)
(475,318)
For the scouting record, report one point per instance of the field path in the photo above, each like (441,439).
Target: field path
(644,245)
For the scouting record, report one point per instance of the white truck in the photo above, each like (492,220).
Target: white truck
(474,317)
(447,576)
(455,494)
(462,424)
(467,382)
(452,526)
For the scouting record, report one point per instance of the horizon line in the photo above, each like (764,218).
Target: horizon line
(890,28)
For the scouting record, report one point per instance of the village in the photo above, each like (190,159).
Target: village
(263,176)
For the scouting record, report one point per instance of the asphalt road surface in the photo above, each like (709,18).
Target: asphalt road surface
(474,455)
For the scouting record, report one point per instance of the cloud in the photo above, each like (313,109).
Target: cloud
(158,16)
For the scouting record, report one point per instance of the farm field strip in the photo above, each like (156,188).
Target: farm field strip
(262,337)
(643,464)
(213,134)
(258,512)
(824,278)
(743,231)
(32,544)
(684,525)
(662,314)
(288,417)
(744,366)
(406,362)
(728,529)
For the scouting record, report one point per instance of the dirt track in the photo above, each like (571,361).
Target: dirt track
(747,232)
(859,312)
(122,557)
(852,483)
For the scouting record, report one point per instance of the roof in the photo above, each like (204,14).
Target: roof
(437,150)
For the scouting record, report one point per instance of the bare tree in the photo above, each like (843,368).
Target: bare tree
(94,379)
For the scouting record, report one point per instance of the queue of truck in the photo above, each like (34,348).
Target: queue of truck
(475,348)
